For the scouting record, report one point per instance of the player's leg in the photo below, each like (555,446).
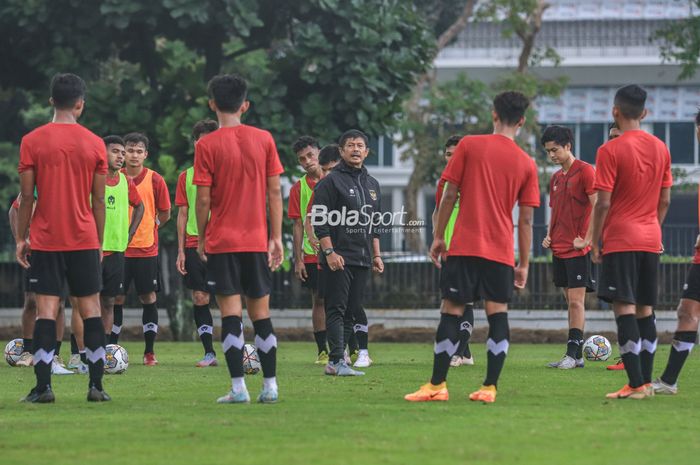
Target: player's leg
(575,298)
(337,293)
(119,302)
(463,356)
(196,280)
(647,290)
(318,320)
(78,359)
(355,308)
(147,283)
(112,286)
(58,367)
(457,287)
(28,320)
(83,272)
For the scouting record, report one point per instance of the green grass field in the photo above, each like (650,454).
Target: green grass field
(168,414)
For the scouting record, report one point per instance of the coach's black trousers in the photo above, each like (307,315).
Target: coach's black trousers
(345,290)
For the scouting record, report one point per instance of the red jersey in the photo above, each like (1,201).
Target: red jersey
(65,158)
(492,174)
(294,209)
(160,200)
(634,167)
(181,201)
(236,162)
(571,208)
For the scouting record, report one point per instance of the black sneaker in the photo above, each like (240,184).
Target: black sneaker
(95,395)
(37,397)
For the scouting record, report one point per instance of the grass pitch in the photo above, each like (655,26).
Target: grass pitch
(168,414)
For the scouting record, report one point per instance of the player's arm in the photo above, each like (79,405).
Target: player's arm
(24,215)
(447,204)
(579,242)
(274,199)
(664,203)
(163,217)
(525,216)
(181,226)
(98,203)
(377,263)
(600,212)
(136,217)
(298,245)
(12,218)
(202,209)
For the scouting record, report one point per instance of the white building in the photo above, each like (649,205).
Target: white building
(604,45)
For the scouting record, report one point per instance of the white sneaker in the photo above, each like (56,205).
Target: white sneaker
(346,357)
(363,360)
(57,369)
(566,363)
(456,361)
(468,360)
(662,388)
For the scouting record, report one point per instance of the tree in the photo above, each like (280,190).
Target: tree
(680,42)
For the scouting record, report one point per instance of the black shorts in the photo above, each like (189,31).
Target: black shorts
(630,277)
(311,277)
(467,279)
(574,272)
(196,277)
(144,272)
(691,288)
(113,274)
(80,269)
(235,273)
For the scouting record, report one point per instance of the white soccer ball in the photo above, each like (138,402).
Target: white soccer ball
(116,359)
(596,348)
(251,361)
(13,351)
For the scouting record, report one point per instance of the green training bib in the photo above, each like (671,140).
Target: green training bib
(116,235)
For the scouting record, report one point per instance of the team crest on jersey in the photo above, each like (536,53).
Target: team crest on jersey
(111,200)
(373,194)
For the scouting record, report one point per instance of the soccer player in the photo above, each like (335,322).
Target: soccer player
(188,262)
(686,333)
(236,168)
(633,180)
(571,197)
(480,261)
(141,256)
(307,151)
(26,359)
(67,164)
(349,250)
(120,227)
(463,356)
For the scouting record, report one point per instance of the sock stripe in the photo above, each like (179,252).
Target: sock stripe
(497,347)
(116,329)
(633,347)
(360,328)
(205,329)
(649,346)
(466,326)
(152,327)
(682,346)
(446,346)
(43,356)
(232,340)
(267,344)
(96,355)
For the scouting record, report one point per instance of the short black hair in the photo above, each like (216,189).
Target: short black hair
(560,135)
(135,138)
(228,91)
(113,140)
(452,141)
(203,126)
(697,118)
(305,141)
(510,107)
(630,100)
(329,154)
(66,89)
(352,134)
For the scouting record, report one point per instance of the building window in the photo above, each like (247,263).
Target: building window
(591,136)
(682,142)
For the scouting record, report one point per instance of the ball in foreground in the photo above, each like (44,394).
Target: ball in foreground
(596,348)
(251,361)
(13,351)
(116,359)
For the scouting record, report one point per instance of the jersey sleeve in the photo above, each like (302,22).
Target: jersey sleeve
(273,164)
(161,193)
(529,195)
(101,165)
(203,165)
(668,177)
(589,180)
(134,196)
(293,208)
(181,190)
(454,171)
(606,170)
(26,158)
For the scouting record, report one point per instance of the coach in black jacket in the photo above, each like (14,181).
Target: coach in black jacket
(345,215)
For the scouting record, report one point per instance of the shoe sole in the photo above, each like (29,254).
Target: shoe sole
(484,400)
(428,399)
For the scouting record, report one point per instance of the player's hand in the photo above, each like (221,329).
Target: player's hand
(335,262)
(300,270)
(581,243)
(180,262)
(315,243)
(520,277)
(102,254)
(436,250)
(546,242)
(596,256)
(275,253)
(663,249)
(200,251)
(22,252)
(378,265)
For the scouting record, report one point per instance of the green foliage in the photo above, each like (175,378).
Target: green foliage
(680,43)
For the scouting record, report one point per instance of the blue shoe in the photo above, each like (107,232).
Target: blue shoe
(268,396)
(341,368)
(241,397)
